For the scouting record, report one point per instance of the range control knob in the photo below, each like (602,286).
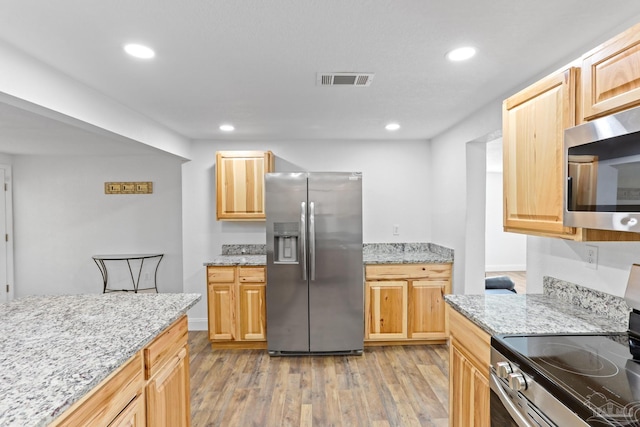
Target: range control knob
(503,369)
(517,382)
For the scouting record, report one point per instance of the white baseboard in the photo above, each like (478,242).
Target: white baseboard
(506,267)
(198,324)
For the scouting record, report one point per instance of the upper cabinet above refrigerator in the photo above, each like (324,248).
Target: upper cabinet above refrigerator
(240,184)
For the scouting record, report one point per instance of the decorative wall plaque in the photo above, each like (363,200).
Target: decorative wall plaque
(128,187)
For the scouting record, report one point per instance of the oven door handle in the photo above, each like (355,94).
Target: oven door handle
(517,416)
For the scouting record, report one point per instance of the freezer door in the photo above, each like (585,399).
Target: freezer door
(336,287)
(287,288)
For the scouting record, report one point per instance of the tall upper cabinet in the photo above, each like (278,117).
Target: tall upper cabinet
(240,184)
(534,121)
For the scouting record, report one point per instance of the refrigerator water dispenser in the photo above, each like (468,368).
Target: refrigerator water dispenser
(286,242)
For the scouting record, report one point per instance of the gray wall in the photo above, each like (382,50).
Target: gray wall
(396,190)
(62,217)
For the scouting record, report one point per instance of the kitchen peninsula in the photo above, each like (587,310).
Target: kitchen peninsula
(562,308)
(61,356)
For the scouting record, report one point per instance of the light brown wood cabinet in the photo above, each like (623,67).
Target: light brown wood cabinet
(236,298)
(534,121)
(102,405)
(404,303)
(133,415)
(166,392)
(469,360)
(240,184)
(611,76)
(152,388)
(387,309)
(167,374)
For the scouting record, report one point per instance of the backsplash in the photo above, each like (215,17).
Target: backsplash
(259,249)
(598,302)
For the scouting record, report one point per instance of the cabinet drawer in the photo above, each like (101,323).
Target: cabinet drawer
(165,346)
(471,341)
(251,274)
(407,271)
(221,274)
(108,399)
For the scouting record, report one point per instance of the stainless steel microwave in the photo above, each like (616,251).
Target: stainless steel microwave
(602,166)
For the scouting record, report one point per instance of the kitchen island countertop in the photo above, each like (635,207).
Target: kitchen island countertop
(56,349)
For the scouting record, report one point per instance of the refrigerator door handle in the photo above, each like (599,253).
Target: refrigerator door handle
(303,239)
(312,240)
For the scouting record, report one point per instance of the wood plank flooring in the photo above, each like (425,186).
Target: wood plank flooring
(387,386)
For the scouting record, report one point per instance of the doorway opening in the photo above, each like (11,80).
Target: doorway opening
(505,253)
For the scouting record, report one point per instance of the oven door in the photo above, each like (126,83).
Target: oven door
(510,409)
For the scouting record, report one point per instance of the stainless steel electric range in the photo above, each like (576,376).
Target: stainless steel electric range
(569,380)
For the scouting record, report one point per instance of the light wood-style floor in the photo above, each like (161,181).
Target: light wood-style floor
(519,277)
(387,386)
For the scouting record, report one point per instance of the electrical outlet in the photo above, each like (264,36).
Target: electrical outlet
(396,229)
(592,257)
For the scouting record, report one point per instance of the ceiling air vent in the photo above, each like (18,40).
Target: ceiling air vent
(344,79)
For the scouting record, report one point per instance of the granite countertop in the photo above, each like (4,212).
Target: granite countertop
(425,257)
(562,308)
(372,253)
(55,349)
(222,260)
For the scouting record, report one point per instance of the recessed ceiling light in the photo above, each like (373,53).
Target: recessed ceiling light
(139,51)
(392,126)
(227,128)
(461,53)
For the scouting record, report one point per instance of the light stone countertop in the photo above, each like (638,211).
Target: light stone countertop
(406,258)
(562,308)
(224,260)
(373,253)
(56,349)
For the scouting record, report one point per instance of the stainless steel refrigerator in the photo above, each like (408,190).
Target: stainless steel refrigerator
(314,263)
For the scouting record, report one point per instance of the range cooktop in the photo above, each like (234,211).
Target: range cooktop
(595,376)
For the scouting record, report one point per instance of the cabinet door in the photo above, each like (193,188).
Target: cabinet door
(108,399)
(240,184)
(610,76)
(469,394)
(168,399)
(221,302)
(427,309)
(252,312)
(386,310)
(534,121)
(133,415)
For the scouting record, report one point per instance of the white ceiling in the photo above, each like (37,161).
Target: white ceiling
(253,63)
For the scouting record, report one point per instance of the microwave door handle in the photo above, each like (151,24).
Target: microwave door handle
(303,239)
(518,418)
(570,193)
